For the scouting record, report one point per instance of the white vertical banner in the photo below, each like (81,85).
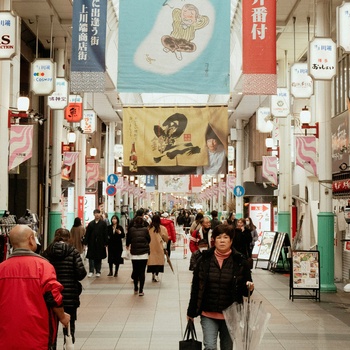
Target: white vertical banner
(343,26)
(301,84)
(59,98)
(88,123)
(262,122)
(280,103)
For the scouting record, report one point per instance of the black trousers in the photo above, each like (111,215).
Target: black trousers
(138,274)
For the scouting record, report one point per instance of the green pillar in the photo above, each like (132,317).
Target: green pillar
(55,218)
(325,222)
(283,220)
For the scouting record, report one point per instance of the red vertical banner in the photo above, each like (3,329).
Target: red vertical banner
(196,183)
(259,47)
(81,208)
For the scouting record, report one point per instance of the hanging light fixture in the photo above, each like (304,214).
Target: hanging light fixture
(71,137)
(23,104)
(305,116)
(93,151)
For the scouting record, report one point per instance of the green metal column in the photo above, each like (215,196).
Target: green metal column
(326,247)
(55,218)
(283,220)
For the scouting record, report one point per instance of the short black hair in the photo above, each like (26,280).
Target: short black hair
(97,211)
(140,212)
(222,228)
(214,214)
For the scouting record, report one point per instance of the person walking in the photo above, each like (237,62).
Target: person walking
(96,240)
(231,219)
(30,296)
(254,233)
(196,224)
(204,232)
(242,238)
(169,225)
(214,219)
(115,245)
(138,240)
(158,234)
(77,233)
(70,269)
(221,277)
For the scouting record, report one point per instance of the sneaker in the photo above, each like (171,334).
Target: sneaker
(141,294)
(90,274)
(98,274)
(156,279)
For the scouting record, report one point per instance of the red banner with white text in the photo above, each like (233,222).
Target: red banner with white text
(259,47)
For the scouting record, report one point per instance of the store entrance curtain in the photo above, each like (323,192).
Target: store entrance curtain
(168,137)
(174,46)
(259,47)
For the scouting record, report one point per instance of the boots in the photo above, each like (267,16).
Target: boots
(110,270)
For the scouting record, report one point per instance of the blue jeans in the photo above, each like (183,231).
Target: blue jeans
(211,328)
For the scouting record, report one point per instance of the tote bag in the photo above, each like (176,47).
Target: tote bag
(190,341)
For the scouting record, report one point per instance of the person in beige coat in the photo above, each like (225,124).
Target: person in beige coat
(77,232)
(158,234)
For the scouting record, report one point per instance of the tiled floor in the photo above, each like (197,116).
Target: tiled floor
(112,317)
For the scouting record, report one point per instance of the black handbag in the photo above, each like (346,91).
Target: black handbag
(190,341)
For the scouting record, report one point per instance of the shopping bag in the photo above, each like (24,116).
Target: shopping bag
(68,345)
(190,341)
(126,254)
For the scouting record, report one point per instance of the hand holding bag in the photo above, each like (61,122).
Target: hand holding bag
(126,254)
(190,341)
(68,345)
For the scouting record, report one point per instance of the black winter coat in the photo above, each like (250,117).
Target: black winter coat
(115,245)
(139,238)
(96,239)
(69,270)
(214,289)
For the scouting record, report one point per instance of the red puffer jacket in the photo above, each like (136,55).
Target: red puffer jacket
(169,225)
(28,290)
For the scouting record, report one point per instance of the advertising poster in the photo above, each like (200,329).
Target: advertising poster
(306,269)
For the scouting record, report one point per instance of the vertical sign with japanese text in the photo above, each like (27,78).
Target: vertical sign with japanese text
(301,84)
(59,98)
(43,73)
(259,47)
(88,46)
(8,42)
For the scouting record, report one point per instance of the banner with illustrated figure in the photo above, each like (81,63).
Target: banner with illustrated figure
(174,46)
(175,140)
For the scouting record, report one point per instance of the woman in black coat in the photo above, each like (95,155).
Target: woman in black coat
(70,270)
(221,277)
(115,245)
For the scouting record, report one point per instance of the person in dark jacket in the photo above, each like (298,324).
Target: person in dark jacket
(242,238)
(115,245)
(70,269)
(214,219)
(138,240)
(221,277)
(96,240)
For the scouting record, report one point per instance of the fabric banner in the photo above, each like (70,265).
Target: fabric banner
(269,169)
(92,173)
(306,153)
(259,47)
(173,184)
(88,46)
(172,46)
(171,137)
(230,182)
(196,183)
(69,158)
(21,144)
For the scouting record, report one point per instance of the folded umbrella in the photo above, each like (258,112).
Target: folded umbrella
(169,261)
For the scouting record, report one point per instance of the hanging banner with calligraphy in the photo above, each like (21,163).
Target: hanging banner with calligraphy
(322,58)
(301,84)
(88,46)
(167,139)
(259,47)
(306,153)
(20,145)
(172,46)
(74,111)
(88,123)
(8,36)
(269,169)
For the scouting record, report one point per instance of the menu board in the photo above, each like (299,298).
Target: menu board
(266,245)
(306,269)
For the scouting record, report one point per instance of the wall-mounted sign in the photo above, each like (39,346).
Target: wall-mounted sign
(263,124)
(88,123)
(8,42)
(74,110)
(301,84)
(230,153)
(280,103)
(322,62)
(43,73)
(343,25)
(59,98)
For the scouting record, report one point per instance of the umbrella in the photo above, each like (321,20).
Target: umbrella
(168,260)
(246,323)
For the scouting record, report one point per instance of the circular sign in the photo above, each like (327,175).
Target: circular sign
(111,190)
(239,191)
(112,179)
